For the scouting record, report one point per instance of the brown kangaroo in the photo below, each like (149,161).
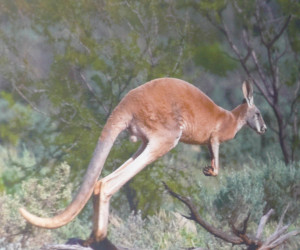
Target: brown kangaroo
(160,113)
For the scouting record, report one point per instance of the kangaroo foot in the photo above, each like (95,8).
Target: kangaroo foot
(104,244)
(88,242)
(209,171)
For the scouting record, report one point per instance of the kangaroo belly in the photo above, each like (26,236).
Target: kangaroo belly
(197,135)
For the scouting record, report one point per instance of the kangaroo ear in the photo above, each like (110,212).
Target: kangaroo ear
(248,92)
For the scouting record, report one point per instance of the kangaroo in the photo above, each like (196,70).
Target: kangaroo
(159,113)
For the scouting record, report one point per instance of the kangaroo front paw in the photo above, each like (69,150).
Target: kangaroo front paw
(209,171)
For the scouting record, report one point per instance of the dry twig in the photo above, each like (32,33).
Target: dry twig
(240,237)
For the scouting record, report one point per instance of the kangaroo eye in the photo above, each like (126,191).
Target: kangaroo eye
(257,114)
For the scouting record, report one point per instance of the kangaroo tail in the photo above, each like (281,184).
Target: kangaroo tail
(104,145)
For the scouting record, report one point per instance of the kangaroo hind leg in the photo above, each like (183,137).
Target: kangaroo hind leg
(110,184)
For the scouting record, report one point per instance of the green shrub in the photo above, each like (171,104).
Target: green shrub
(241,193)
(163,230)
(255,187)
(44,198)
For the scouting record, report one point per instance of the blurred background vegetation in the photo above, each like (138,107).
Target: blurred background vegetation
(64,66)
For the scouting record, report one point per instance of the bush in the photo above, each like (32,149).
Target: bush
(163,230)
(255,187)
(241,193)
(282,187)
(42,198)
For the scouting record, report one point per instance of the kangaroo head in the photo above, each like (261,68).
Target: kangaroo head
(253,117)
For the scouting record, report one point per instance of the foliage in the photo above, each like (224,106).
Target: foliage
(16,166)
(14,118)
(254,188)
(283,182)
(36,194)
(213,59)
(240,194)
(160,231)
(86,63)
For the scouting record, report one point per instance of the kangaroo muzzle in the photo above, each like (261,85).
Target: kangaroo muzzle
(263,129)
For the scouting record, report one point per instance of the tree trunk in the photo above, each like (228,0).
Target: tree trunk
(281,134)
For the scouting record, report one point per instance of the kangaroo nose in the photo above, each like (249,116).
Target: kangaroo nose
(263,128)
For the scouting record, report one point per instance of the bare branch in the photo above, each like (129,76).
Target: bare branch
(241,237)
(65,247)
(258,67)
(239,56)
(263,222)
(72,35)
(293,108)
(252,53)
(283,238)
(27,100)
(274,70)
(92,91)
(244,59)
(231,43)
(283,28)
(136,12)
(242,233)
(282,217)
(276,235)
(283,53)
(181,43)
(245,224)
(197,218)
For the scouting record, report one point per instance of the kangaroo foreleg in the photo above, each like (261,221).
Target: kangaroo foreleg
(213,170)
